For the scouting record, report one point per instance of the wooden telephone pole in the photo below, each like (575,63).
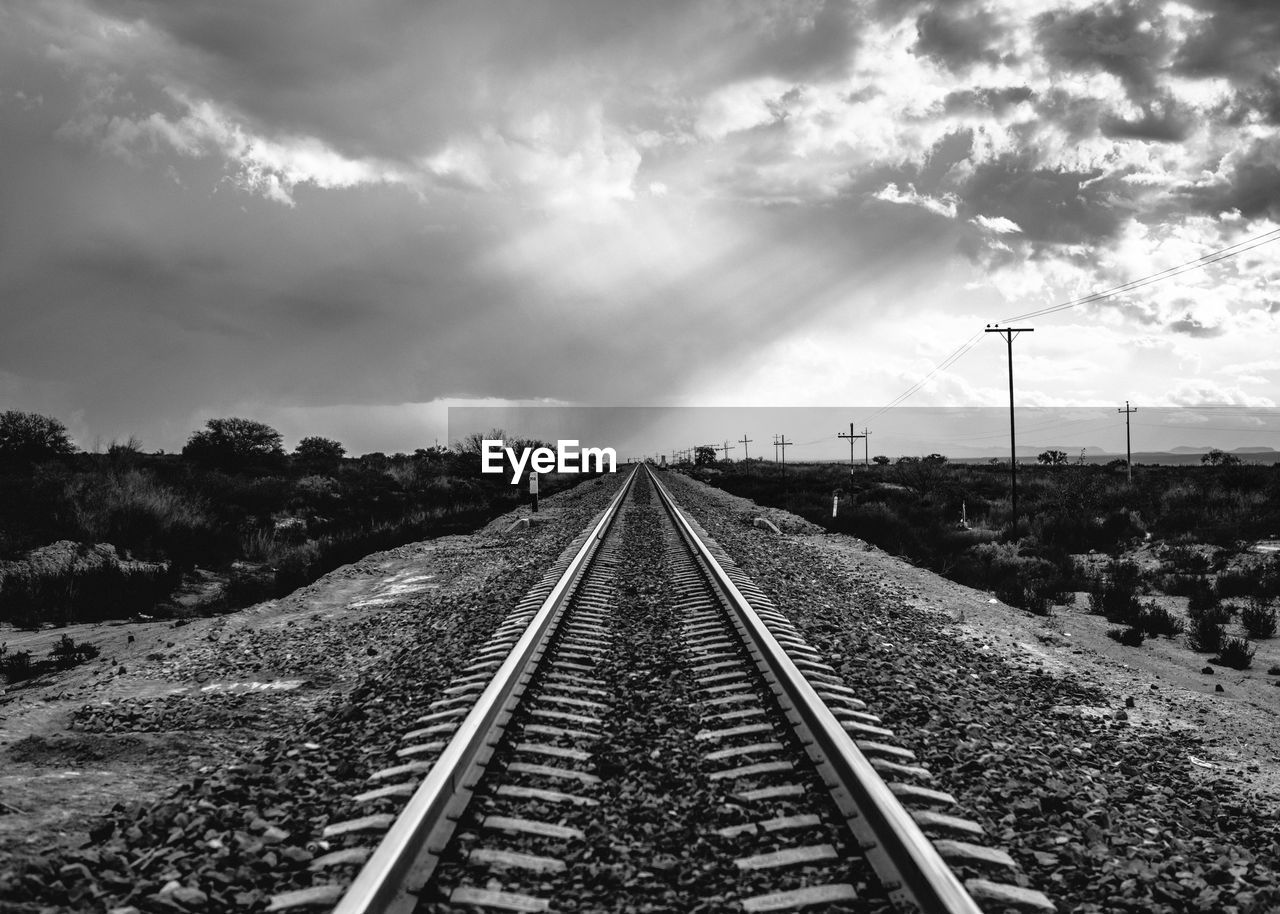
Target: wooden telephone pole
(1009,333)
(867,445)
(782,443)
(1128,452)
(744,441)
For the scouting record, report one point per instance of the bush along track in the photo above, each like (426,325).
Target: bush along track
(244,830)
(1102,816)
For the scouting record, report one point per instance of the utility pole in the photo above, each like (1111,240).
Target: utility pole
(775,448)
(744,440)
(851,436)
(782,443)
(726,447)
(1128,452)
(1009,333)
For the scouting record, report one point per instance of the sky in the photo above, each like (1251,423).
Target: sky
(341,217)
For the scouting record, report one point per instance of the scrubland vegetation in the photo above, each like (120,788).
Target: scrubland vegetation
(1192,525)
(231,520)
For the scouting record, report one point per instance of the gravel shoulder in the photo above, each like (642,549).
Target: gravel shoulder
(1166,806)
(169,704)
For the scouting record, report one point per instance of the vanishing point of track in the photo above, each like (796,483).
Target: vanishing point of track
(774,786)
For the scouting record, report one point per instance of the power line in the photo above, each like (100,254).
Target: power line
(950,360)
(1212,257)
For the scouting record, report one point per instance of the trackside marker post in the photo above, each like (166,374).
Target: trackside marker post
(533,489)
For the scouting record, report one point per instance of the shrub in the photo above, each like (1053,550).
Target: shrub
(1129,637)
(66,653)
(235,443)
(30,598)
(16,666)
(1256,579)
(316,453)
(27,437)
(1185,560)
(1201,599)
(1156,620)
(1235,653)
(1205,635)
(1259,619)
(1116,595)
(1025,581)
(135,511)
(1023,596)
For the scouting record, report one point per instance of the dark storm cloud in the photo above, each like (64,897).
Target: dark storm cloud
(1163,121)
(1191,326)
(959,35)
(1258,101)
(1049,204)
(1249,183)
(1126,39)
(1239,39)
(946,153)
(998,101)
(312,68)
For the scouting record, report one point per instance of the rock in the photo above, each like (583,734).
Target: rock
(1219,688)
(1122,714)
(1208,670)
(192,898)
(764,523)
(1129,702)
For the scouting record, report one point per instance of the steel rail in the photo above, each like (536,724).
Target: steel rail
(405,858)
(905,860)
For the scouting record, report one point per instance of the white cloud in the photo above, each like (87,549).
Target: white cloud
(944,206)
(568,161)
(258,164)
(998,224)
(740,106)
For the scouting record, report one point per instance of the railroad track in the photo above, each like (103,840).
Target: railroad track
(645,731)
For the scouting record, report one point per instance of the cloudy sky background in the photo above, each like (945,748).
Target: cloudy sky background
(340,216)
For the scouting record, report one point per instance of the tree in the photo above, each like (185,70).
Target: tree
(473,444)
(880,460)
(934,458)
(234,443)
(27,437)
(704,455)
(1219,458)
(1052,458)
(319,453)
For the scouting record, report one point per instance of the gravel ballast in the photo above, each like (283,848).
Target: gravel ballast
(1103,815)
(245,825)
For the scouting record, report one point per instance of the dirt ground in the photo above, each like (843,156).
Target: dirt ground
(1240,725)
(287,654)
